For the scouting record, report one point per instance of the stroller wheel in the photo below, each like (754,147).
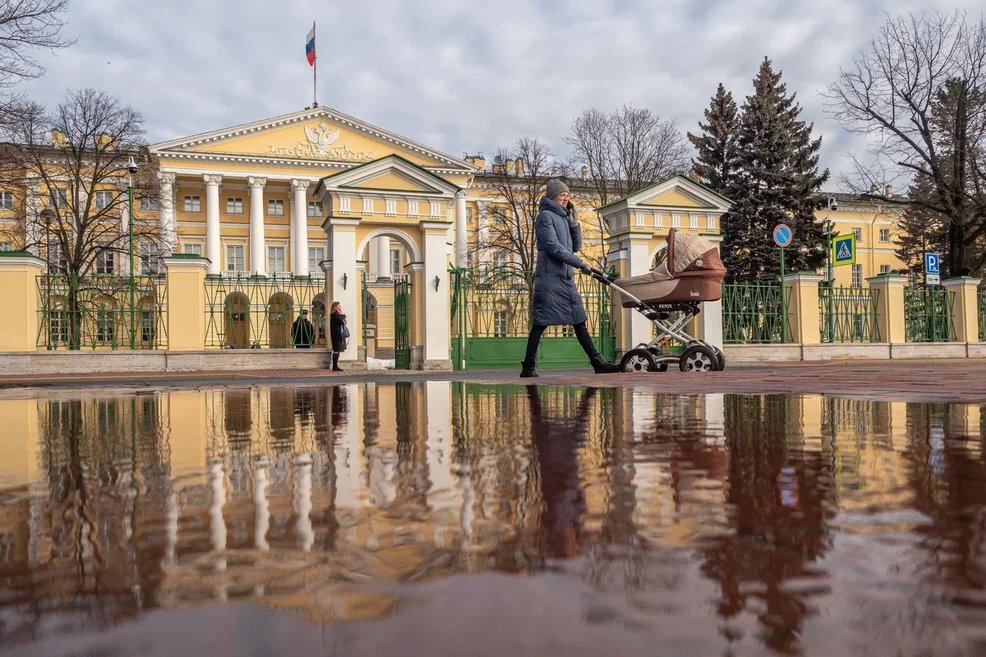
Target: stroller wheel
(638,360)
(698,358)
(720,359)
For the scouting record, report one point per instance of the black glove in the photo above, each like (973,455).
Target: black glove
(585,269)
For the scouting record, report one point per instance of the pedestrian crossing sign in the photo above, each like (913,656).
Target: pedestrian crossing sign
(844,250)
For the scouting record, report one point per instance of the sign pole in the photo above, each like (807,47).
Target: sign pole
(783,301)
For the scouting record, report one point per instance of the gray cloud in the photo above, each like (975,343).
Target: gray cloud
(459,75)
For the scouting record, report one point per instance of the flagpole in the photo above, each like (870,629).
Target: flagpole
(314,72)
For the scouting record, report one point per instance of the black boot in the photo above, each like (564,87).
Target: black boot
(527,370)
(602,366)
(335,362)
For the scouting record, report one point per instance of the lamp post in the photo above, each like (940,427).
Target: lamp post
(131,170)
(46,216)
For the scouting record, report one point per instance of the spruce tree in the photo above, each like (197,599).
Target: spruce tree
(921,230)
(776,182)
(716,162)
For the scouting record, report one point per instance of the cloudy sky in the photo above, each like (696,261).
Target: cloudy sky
(458,75)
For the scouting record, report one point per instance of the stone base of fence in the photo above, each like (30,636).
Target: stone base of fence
(206,361)
(749,354)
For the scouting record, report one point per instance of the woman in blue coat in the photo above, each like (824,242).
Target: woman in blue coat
(556,299)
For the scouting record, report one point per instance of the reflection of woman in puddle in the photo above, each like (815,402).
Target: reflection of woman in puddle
(557,441)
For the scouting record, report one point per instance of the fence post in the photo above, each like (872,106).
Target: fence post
(965,309)
(803,320)
(890,307)
(185,301)
(19,271)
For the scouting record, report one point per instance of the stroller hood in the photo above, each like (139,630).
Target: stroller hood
(691,255)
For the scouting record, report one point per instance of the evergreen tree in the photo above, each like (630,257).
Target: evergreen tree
(716,162)
(777,179)
(921,230)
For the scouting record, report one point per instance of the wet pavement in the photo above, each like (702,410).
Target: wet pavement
(482,518)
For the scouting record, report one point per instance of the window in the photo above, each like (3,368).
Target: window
(412,208)
(468,216)
(234,205)
(6,200)
(275,259)
(500,258)
(58,197)
(501,319)
(693,221)
(148,203)
(316,254)
(149,259)
(434,209)
(710,222)
(58,326)
(6,246)
(658,220)
(56,260)
(858,232)
(192,204)
(235,260)
(104,199)
(857,275)
(368,206)
(391,207)
(395,261)
(884,234)
(147,326)
(105,326)
(193,249)
(884,269)
(676,221)
(275,208)
(105,262)
(314,208)
(344,204)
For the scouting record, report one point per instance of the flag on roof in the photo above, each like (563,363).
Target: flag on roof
(310,46)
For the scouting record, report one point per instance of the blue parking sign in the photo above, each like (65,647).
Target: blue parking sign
(932,263)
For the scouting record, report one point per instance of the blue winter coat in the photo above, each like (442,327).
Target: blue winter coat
(556,299)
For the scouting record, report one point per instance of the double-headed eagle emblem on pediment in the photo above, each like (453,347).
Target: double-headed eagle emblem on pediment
(320,144)
(321,137)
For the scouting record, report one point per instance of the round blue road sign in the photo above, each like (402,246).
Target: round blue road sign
(783,235)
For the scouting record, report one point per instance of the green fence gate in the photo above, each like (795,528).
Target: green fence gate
(402,323)
(491,311)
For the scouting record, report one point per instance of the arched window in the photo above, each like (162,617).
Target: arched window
(236,311)
(501,318)
(280,311)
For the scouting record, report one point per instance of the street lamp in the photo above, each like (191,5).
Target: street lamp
(131,170)
(46,216)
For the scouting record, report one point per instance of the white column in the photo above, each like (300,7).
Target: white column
(258,255)
(710,319)
(381,257)
(33,228)
(261,505)
(166,208)
(638,262)
(439,443)
(302,501)
(461,228)
(436,296)
(343,282)
(299,227)
(212,222)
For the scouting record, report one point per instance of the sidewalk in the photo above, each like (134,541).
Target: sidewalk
(927,381)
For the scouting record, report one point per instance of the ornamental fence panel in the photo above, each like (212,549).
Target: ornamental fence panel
(752,313)
(101,312)
(981,296)
(258,312)
(928,314)
(848,314)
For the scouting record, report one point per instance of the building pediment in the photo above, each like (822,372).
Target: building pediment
(675,193)
(319,136)
(392,174)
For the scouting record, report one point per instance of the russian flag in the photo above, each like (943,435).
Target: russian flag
(310,47)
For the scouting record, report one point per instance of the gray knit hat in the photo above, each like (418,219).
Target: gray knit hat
(555,187)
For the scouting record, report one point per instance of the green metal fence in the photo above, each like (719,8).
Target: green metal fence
(928,314)
(752,313)
(101,312)
(848,314)
(257,312)
(491,310)
(982,313)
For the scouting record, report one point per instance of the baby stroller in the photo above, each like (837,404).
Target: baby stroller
(670,296)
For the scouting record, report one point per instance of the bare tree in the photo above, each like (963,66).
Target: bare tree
(26,26)
(512,193)
(625,151)
(917,93)
(71,169)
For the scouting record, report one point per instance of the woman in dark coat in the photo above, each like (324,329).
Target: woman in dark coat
(338,333)
(556,299)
